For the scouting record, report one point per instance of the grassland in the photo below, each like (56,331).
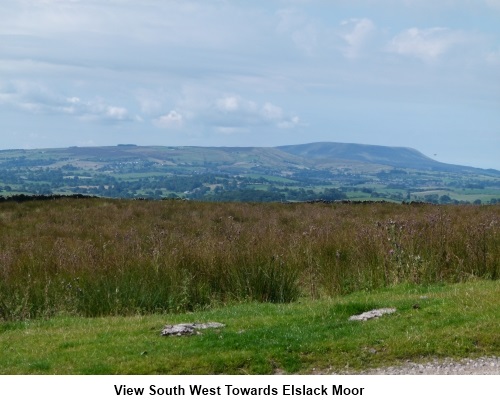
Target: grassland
(86,285)
(307,336)
(97,257)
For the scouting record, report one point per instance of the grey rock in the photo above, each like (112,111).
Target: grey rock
(375,313)
(186,329)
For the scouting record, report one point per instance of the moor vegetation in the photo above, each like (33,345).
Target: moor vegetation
(95,257)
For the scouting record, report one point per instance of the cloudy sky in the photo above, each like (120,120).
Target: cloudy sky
(417,73)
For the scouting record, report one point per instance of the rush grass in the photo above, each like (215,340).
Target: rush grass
(113,257)
(308,336)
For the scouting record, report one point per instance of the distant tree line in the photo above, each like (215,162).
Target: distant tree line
(23,197)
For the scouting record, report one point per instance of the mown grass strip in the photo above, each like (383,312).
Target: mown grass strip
(458,320)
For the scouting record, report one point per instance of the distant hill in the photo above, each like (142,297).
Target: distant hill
(319,155)
(322,170)
(397,157)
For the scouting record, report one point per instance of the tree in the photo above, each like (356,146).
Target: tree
(432,198)
(445,199)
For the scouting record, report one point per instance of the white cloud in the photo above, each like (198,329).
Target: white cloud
(116,113)
(233,112)
(93,110)
(315,37)
(39,99)
(356,34)
(426,44)
(172,119)
(30,97)
(231,103)
(277,116)
(289,122)
(226,114)
(272,112)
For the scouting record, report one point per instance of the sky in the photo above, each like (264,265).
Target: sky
(423,74)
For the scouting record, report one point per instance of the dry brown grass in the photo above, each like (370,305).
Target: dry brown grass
(99,257)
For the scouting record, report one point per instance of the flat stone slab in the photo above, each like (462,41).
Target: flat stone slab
(186,329)
(374,313)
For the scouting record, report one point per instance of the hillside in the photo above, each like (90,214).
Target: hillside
(397,157)
(311,155)
(325,170)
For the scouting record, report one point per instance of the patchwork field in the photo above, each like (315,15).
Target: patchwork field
(328,171)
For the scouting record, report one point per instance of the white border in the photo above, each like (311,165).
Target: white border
(386,390)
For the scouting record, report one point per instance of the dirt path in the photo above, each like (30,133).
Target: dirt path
(479,366)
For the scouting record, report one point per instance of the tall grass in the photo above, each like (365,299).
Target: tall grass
(100,257)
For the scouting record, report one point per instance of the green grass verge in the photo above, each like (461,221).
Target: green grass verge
(455,320)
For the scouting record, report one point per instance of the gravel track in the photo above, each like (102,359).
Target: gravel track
(478,366)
